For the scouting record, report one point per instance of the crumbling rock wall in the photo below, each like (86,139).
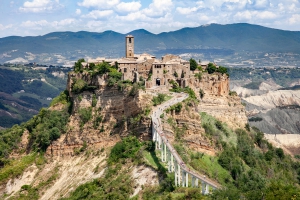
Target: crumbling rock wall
(114,106)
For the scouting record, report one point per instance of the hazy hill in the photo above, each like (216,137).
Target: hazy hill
(211,39)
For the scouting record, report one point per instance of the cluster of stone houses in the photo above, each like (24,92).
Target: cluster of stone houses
(155,72)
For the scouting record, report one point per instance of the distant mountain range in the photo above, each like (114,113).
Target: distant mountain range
(213,39)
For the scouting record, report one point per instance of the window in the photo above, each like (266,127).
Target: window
(158,72)
(125,69)
(129,40)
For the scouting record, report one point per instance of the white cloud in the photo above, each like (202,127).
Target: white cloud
(101,4)
(2,27)
(37,6)
(265,15)
(78,11)
(97,14)
(186,11)
(295,19)
(243,16)
(158,8)
(128,7)
(44,23)
(64,22)
(259,4)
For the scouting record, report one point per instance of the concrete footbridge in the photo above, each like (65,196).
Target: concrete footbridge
(169,155)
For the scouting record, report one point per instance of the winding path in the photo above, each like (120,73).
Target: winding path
(169,154)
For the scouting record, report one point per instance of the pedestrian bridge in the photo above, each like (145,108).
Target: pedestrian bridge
(183,174)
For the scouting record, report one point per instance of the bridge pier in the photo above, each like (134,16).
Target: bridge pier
(177,174)
(185,179)
(205,188)
(170,162)
(154,134)
(194,181)
(162,152)
(159,142)
(165,152)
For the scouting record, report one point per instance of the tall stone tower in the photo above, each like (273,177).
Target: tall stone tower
(129,46)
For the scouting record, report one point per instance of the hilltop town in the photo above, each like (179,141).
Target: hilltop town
(165,72)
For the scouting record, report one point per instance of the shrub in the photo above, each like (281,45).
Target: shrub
(159,99)
(115,74)
(94,100)
(97,122)
(199,76)
(85,115)
(127,148)
(232,93)
(279,152)
(247,126)
(78,85)
(222,70)
(191,92)
(134,90)
(62,98)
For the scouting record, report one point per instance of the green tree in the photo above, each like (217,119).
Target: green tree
(211,68)
(222,70)
(78,66)
(279,152)
(103,68)
(193,64)
(92,66)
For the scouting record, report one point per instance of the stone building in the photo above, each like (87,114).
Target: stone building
(159,72)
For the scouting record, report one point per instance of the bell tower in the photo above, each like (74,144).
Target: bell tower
(129,40)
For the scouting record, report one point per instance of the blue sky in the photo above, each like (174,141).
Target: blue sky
(39,17)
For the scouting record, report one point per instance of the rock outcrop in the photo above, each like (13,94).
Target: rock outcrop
(115,110)
(227,109)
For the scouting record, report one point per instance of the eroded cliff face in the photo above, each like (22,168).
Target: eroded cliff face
(187,123)
(217,101)
(228,109)
(113,112)
(212,84)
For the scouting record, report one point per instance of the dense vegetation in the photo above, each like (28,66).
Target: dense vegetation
(11,81)
(254,165)
(43,128)
(25,89)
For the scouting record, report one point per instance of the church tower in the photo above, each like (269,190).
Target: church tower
(129,46)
